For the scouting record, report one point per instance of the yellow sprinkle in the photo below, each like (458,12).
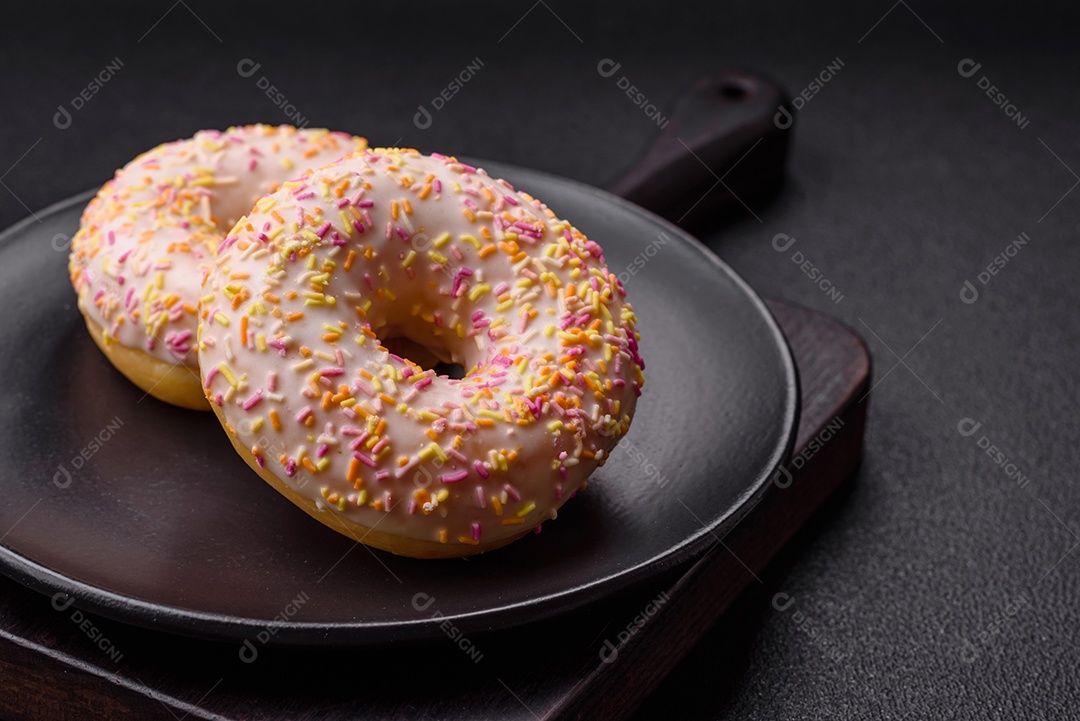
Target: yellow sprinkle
(526,510)
(478,290)
(555,425)
(441,240)
(409,259)
(432,450)
(227,372)
(442,495)
(221,319)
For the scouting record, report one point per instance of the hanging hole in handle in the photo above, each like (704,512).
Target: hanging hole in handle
(735,92)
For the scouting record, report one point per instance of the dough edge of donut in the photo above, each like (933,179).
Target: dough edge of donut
(393,543)
(176,384)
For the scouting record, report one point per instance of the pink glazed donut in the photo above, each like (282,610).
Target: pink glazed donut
(148,237)
(392,244)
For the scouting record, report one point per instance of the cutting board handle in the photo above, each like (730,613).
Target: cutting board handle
(724,145)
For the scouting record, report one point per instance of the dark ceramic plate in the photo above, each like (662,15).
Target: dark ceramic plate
(144,513)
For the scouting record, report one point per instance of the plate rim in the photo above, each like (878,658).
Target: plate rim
(221,627)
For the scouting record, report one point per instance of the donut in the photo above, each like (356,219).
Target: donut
(146,239)
(391,245)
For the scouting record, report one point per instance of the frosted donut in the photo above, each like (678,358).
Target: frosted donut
(394,244)
(146,239)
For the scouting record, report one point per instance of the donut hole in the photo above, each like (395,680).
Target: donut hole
(424,355)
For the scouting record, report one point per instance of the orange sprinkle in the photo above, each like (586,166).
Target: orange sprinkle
(349,259)
(443,536)
(295,316)
(468,539)
(497,505)
(277,216)
(310,466)
(381,427)
(243,330)
(275,420)
(354,470)
(511,521)
(486,251)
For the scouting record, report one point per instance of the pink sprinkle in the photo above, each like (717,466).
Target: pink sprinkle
(476,531)
(511,491)
(365,459)
(331,372)
(382,475)
(482,472)
(271,381)
(423,383)
(252,163)
(210,376)
(302,415)
(437,185)
(253,401)
(480,496)
(323,449)
(322,231)
(358,225)
(454,477)
(342,203)
(365,204)
(383,443)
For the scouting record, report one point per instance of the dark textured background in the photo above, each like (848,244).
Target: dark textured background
(935,586)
